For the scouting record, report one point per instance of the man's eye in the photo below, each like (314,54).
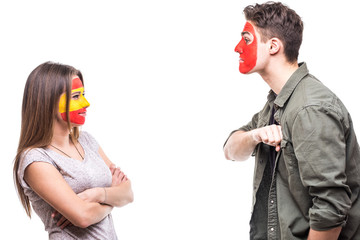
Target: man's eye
(247,41)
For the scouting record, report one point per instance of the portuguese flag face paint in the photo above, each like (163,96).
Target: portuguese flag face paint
(247,48)
(78,103)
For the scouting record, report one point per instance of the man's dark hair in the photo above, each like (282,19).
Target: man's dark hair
(273,19)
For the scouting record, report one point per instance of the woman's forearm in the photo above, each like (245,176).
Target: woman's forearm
(118,195)
(94,213)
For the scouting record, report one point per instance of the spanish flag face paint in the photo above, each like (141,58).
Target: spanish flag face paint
(78,103)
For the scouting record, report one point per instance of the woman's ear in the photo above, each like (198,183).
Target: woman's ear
(275,45)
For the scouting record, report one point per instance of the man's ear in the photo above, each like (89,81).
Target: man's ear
(275,45)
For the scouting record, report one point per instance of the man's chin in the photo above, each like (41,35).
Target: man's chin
(245,69)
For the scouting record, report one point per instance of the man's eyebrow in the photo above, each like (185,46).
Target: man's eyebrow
(245,32)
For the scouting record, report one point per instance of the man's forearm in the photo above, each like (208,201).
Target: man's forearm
(331,234)
(239,146)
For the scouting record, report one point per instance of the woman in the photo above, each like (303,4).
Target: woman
(63,172)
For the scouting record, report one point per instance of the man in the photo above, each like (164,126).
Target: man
(307,160)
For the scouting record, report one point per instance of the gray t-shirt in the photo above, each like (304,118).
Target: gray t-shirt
(80,175)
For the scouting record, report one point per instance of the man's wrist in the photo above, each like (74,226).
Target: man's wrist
(254,137)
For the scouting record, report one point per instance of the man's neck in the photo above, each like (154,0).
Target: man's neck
(277,73)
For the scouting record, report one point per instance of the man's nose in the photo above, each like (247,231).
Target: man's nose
(238,48)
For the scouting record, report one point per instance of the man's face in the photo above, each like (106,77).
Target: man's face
(247,48)
(78,103)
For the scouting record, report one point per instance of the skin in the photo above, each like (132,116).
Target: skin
(83,209)
(115,195)
(275,70)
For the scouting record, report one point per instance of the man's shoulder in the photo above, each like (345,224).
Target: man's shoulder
(311,91)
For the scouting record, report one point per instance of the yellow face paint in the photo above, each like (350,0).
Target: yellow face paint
(78,103)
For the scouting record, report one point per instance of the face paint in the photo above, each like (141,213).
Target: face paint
(78,103)
(248,51)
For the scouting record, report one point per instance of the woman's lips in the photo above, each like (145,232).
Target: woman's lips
(82,113)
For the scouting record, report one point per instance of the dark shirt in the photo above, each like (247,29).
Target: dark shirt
(316,180)
(273,152)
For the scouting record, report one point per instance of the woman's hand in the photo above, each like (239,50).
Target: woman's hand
(62,222)
(117,175)
(89,195)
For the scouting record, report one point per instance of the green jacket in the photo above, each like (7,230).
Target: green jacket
(316,181)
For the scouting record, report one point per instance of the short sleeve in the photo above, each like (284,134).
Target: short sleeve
(28,157)
(89,140)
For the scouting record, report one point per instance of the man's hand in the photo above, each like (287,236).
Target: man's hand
(270,135)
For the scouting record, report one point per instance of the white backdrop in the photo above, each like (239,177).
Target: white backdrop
(165,91)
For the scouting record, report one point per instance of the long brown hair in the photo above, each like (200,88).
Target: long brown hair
(42,92)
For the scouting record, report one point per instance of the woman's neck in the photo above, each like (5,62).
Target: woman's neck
(61,134)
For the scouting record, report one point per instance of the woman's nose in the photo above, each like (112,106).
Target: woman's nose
(85,103)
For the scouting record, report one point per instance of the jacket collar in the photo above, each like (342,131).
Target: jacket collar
(291,84)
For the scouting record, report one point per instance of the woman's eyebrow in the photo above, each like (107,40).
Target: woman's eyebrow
(77,92)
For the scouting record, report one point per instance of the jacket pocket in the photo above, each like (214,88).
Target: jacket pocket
(289,156)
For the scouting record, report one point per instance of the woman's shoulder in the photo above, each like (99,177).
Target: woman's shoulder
(30,156)
(87,139)
(34,153)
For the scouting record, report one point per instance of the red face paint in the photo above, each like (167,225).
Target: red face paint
(77,117)
(246,49)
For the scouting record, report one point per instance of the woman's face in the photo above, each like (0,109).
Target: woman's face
(78,103)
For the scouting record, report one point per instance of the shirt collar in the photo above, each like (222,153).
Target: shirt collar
(291,84)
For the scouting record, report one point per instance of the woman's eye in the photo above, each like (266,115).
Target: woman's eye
(76,96)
